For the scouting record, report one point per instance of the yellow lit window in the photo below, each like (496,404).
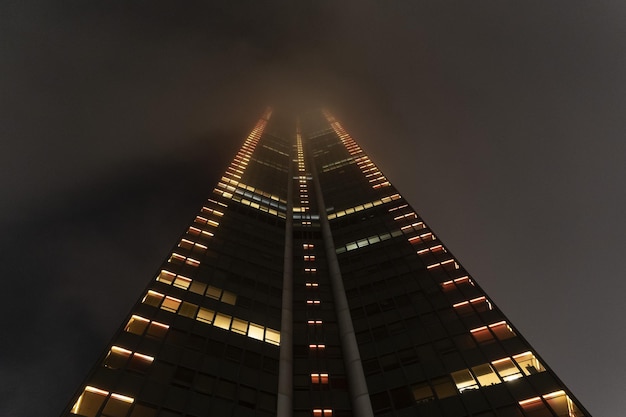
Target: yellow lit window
(92,399)
(137,325)
(272,336)
(464,380)
(255,331)
(239,326)
(166,277)
(506,369)
(171,304)
(117,357)
(485,375)
(528,363)
(153,298)
(205,315)
(182,282)
(222,321)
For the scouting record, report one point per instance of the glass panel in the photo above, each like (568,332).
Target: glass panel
(205,315)
(116,407)
(170,304)
(239,326)
(188,310)
(272,336)
(535,408)
(166,277)
(486,375)
(89,402)
(213,292)
(116,359)
(229,298)
(528,363)
(197,287)
(153,299)
(422,393)
(182,282)
(482,335)
(502,331)
(507,369)
(255,331)
(222,321)
(137,325)
(444,388)
(464,380)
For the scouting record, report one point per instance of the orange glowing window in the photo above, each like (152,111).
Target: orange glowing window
(319,378)
(316,347)
(312,284)
(309,258)
(314,322)
(313,302)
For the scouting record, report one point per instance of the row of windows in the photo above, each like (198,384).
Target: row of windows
(197,287)
(111,404)
(204,315)
(370,240)
(241,160)
(365,206)
(496,372)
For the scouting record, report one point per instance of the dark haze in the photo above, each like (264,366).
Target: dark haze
(501,122)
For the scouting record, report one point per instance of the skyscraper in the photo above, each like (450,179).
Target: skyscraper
(307,286)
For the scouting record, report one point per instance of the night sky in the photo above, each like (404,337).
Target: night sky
(502,123)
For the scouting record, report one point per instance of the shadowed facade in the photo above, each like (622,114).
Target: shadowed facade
(307,286)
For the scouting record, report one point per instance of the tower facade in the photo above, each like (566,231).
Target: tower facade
(307,286)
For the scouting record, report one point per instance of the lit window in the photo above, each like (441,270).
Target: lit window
(137,325)
(313,301)
(166,277)
(314,322)
(117,357)
(171,304)
(485,375)
(502,330)
(312,284)
(464,380)
(272,336)
(322,412)
(222,321)
(319,378)
(562,405)
(182,282)
(205,315)
(92,399)
(317,346)
(506,369)
(255,331)
(239,326)
(153,298)
(528,363)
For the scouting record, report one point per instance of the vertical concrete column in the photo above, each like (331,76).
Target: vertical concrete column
(359,395)
(284,406)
